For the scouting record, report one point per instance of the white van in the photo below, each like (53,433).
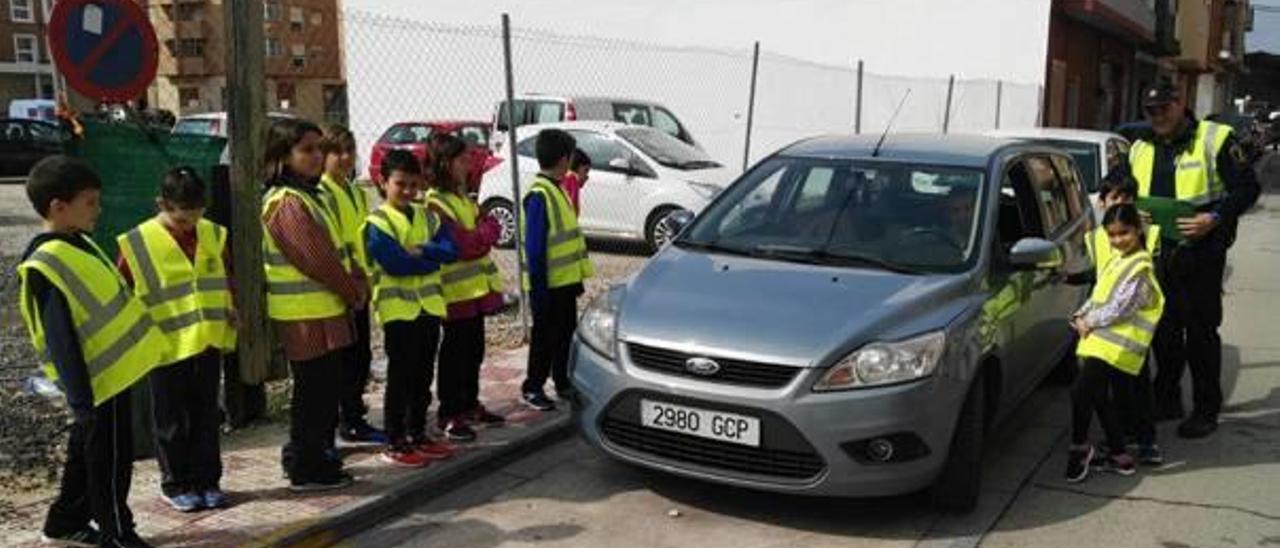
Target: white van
(33,109)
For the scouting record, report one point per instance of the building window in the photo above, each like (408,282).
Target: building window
(317,19)
(25,48)
(186,47)
(297,18)
(188,12)
(272,10)
(189,97)
(20,11)
(299,60)
(274,49)
(286,95)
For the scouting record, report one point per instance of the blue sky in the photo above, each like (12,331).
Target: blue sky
(1266,30)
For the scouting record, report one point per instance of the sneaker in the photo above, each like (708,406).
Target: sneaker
(483,417)
(1150,455)
(434,449)
(459,430)
(88,537)
(1078,464)
(539,401)
(129,540)
(404,457)
(1197,427)
(326,483)
(185,502)
(362,432)
(214,498)
(1120,463)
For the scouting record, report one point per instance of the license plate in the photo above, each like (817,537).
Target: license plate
(715,425)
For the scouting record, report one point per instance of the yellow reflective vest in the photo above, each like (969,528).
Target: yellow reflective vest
(189,299)
(464,280)
(118,338)
(349,206)
(567,261)
(404,298)
(291,295)
(1124,345)
(1196,179)
(1099,245)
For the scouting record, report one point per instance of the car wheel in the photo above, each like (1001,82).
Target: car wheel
(661,229)
(502,211)
(957,487)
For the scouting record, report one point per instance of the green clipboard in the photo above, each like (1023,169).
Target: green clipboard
(1165,213)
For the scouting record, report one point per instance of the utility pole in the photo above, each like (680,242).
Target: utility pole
(857,106)
(246,116)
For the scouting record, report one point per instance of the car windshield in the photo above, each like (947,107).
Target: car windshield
(1086,156)
(888,215)
(667,150)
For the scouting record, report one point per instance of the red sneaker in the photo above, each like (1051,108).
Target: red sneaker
(435,449)
(401,458)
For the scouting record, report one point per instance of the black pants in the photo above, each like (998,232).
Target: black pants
(554,321)
(184,411)
(315,403)
(411,357)
(461,353)
(1093,393)
(1191,278)
(355,373)
(97,474)
(1137,407)
(242,403)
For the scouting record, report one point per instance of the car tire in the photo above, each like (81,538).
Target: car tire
(657,231)
(505,213)
(957,487)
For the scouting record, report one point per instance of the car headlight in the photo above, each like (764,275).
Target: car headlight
(705,190)
(882,363)
(599,325)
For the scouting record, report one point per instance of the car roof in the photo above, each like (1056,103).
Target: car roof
(1056,133)
(586,98)
(953,149)
(590,125)
(223,115)
(443,123)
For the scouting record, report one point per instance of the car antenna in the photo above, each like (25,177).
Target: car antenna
(889,125)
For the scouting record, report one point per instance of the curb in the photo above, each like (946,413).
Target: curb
(346,521)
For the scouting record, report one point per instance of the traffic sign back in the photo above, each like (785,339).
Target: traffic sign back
(106,49)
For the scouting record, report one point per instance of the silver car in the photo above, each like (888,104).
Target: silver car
(846,319)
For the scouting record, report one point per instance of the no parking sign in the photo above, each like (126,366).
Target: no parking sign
(106,49)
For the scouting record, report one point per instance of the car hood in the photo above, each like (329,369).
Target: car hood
(779,312)
(718,176)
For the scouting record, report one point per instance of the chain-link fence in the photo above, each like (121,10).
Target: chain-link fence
(404,70)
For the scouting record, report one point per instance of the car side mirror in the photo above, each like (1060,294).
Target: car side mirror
(1035,254)
(622,164)
(680,220)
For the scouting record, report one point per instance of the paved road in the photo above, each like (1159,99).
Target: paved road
(1222,491)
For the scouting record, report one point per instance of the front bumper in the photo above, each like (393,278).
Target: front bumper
(809,442)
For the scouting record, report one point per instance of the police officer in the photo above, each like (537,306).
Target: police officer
(1202,163)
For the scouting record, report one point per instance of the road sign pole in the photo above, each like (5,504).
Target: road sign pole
(516,207)
(246,117)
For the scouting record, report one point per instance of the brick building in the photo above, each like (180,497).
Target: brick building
(304,57)
(26,71)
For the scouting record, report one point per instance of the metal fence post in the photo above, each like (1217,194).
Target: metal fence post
(857,106)
(946,118)
(751,106)
(999,100)
(1040,106)
(247,118)
(515,173)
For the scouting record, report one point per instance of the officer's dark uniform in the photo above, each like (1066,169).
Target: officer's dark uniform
(1191,275)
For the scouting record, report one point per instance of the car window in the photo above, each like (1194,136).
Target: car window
(666,122)
(1050,195)
(198,126)
(547,112)
(521,113)
(407,134)
(666,150)
(1071,181)
(1018,215)
(601,149)
(1117,152)
(637,115)
(528,147)
(1086,156)
(847,212)
(473,135)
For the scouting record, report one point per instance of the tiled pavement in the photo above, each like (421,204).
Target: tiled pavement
(263,509)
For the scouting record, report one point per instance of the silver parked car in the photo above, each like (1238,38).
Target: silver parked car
(844,319)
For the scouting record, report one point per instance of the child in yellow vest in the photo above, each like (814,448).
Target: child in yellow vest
(406,245)
(97,341)
(1116,326)
(176,263)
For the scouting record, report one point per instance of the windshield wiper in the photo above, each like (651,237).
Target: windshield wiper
(696,164)
(825,257)
(712,246)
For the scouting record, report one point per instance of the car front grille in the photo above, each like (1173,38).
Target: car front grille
(738,372)
(783,453)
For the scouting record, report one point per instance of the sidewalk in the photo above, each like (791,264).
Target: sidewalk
(265,512)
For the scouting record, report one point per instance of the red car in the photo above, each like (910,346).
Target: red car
(415,137)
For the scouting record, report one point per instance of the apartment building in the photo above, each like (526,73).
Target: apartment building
(1211,33)
(26,71)
(304,58)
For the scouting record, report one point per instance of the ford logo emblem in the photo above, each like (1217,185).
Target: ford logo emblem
(702,367)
